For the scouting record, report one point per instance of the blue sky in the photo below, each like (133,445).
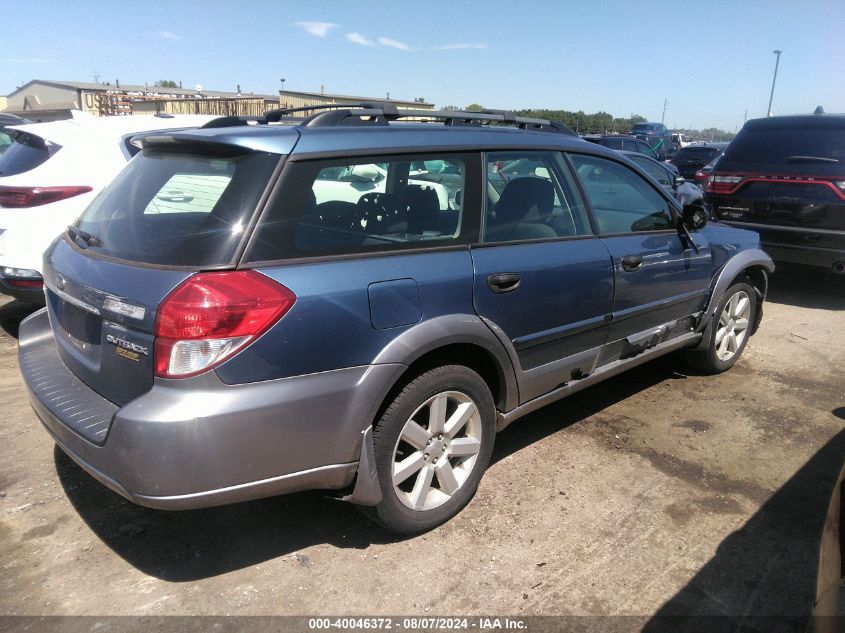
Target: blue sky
(711,59)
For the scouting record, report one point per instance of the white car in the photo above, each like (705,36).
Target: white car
(348,184)
(681,140)
(49,175)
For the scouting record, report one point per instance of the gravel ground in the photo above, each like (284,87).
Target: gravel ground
(657,492)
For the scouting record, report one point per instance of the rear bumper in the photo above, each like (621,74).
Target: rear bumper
(811,247)
(198,442)
(807,255)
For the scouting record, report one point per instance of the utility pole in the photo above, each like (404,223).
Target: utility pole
(665,105)
(745,116)
(777,62)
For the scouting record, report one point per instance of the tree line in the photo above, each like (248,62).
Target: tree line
(603,122)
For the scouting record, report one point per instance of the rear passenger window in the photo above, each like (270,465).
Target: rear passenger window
(622,201)
(528,199)
(335,207)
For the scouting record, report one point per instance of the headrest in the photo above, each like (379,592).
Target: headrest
(520,195)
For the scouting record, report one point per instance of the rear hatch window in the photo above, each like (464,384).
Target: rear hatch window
(817,151)
(176,209)
(697,154)
(644,128)
(24,152)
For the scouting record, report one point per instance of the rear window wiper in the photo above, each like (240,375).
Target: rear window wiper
(87,239)
(812,159)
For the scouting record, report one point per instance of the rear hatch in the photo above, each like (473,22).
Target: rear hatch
(176,209)
(790,177)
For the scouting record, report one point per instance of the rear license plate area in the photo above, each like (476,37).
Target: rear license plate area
(81,327)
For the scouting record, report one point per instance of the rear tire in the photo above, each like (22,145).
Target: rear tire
(432,446)
(732,326)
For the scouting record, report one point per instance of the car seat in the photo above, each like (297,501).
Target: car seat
(521,198)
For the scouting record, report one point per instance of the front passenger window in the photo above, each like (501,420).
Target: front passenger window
(622,201)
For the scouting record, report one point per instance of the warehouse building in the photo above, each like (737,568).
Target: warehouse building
(49,100)
(296,99)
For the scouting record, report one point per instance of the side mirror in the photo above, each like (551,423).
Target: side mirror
(679,180)
(694,217)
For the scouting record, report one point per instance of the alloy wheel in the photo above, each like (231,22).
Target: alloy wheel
(733,326)
(436,450)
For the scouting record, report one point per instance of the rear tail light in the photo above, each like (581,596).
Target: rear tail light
(22,277)
(211,316)
(722,184)
(20,197)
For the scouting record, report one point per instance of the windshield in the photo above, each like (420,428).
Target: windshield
(176,209)
(23,152)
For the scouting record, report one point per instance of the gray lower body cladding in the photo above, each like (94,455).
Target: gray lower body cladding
(199,442)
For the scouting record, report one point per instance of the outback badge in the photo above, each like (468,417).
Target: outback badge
(127,349)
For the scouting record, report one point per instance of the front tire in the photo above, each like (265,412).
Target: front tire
(432,445)
(731,329)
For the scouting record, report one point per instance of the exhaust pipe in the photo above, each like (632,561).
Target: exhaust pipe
(839,267)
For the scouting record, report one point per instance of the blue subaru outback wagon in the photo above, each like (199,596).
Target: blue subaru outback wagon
(356,302)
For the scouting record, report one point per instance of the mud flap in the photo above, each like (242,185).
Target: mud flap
(367,491)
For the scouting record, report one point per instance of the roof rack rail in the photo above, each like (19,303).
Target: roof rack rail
(229,121)
(382,113)
(280,114)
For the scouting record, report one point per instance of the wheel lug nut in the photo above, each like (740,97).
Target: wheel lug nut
(435,460)
(425,456)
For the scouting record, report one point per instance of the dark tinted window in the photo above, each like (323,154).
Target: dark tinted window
(612,143)
(645,128)
(178,209)
(621,199)
(538,198)
(25,152)
(789,146)
(367,205)
(703,154)
(654,170)
(643,148)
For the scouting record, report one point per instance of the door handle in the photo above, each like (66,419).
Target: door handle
(503,282)
(631,263)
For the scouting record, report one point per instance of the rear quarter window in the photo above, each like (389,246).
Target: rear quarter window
(24,152)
